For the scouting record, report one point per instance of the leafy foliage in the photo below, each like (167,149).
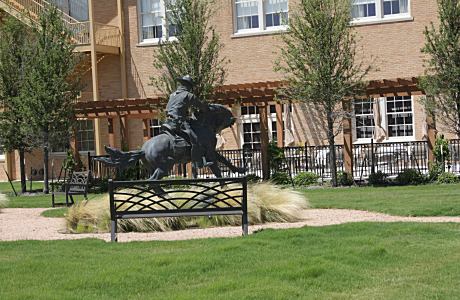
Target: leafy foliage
(448,177)
(441,149)
(280,178)
(378,178)
(305,178)
(51,82)
(319,62)
(276,157)
(410,176)
(442,78)
(194,51)
(345,179)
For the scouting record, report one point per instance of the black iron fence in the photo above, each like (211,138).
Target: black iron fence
(389,158)
(453,161)
(315,159)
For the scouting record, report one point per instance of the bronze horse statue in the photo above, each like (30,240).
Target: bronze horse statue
(160,153)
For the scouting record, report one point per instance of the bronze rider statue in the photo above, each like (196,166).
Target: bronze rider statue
(178,111)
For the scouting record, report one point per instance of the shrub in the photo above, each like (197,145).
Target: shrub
(280,178)
(253,178)
(410,176)
(378,178)
(436,169)
(305,178)
(345,179)
(448,177)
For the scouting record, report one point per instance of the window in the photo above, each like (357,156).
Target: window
(154,25)
(258,15)
(364,10)
(155,127)
(364,118)
(396,117)
(85,135)
(251,127)
(399,115)
(77,9)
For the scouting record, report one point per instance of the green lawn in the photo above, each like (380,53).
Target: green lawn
(5,187)
(359,261)
(423,200)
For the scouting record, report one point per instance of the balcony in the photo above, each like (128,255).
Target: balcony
(107,37)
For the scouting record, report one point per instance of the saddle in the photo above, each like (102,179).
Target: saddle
(181,144)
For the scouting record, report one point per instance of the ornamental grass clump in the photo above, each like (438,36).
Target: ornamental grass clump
(266,203)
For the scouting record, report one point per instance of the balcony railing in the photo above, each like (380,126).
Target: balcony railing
(105,35)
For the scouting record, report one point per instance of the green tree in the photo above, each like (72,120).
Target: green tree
(442,76)
(52,83)
(318,60)
(15,130)
(194,50)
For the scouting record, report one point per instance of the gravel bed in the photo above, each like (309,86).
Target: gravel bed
(28,224)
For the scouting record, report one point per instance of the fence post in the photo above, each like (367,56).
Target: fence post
(244,203)
(90,167)
(113,218)
(372,157)
(306,157)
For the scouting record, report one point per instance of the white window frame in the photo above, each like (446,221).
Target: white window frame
(261,14)
(355,125)
(381,18)
(384,116)
(94,137)
(400,138)
(164,25)
(255,118)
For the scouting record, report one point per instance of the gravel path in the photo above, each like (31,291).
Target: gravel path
(28,224)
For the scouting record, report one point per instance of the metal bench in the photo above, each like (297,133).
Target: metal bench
(177,198)
(76,185)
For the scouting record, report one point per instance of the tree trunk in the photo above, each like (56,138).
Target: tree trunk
(22,169)
(45,162)
(332,155)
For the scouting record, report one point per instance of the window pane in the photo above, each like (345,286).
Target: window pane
(247,14)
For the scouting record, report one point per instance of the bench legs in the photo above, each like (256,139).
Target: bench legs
(244,223)
(113,231)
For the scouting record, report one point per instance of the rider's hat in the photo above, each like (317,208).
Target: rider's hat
(185,80)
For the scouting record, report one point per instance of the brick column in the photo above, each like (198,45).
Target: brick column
(347,138)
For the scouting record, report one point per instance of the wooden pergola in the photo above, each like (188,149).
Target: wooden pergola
(258,93)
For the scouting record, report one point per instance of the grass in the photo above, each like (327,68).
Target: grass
(423,200)
(55,212)
(5,187)
(359,261)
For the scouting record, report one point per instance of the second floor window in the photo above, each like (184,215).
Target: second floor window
(154,24)
(379,9)
(258,15)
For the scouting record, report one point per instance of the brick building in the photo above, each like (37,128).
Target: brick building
(120,38)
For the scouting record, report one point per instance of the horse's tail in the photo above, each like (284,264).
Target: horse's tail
(119,158)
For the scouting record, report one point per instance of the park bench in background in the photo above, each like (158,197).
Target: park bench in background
(76,184)
(177,198)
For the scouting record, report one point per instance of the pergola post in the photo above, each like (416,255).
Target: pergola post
(264,141)
(146,129)
(347,138)
(431,137)
(74,146)
(111,131)
(279,125)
